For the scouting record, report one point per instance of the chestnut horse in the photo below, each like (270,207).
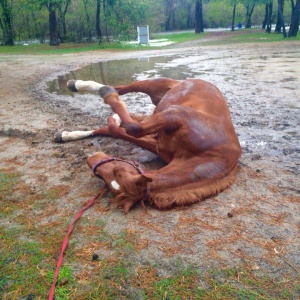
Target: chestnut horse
(190,129)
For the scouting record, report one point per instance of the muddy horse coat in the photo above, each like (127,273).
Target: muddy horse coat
(190,129)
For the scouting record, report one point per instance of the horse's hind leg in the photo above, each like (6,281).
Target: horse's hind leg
(111,97)
(80,85)
(155,88)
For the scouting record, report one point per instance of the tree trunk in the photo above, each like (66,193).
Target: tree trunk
(53,27)
(64,27)
(267,23)
(281,20)
(264,23)
(294,26)
(105,18)
(198,17)
(279,13)
(170,13)
(269,19)
(6,23)
(62,22)
(189,14)
(233,17)
(89,31)
(98,21)
(249,11)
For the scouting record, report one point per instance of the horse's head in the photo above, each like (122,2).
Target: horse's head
(125,179)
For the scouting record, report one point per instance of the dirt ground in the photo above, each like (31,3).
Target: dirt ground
(257,220)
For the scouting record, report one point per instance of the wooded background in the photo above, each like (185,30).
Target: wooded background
(58,21)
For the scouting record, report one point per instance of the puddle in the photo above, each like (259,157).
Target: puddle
(121,72)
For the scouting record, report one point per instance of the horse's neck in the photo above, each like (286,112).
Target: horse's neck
(168,177)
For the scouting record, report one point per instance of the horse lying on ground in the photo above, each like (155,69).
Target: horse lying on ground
(190,129)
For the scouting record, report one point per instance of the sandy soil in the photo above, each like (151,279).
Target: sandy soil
(256,221)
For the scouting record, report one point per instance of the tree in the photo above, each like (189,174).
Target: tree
(280,8)
(249,10)
(53,24)
(123,16)
(233,17)
(268,17)
(280,20)
(198,17)
(6,23)
(63,8)
(189,10)
(98,21)
(52,7)
(294,26)
(88,23)
(170,15)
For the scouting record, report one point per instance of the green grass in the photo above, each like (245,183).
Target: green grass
(247,36)
(19,262)
(182,285)
(7,183)
(261,38)
(25,270)
(65,273)
(181,37)
(45,49)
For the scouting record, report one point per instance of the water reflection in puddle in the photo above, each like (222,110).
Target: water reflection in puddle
(121,72)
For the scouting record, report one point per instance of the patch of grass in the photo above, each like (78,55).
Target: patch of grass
(249,37)
(262,38)
(244,284)
(244,36)
(181,37)
(125,241)
(183,285)
(19,261)
(65,275)
(45,49)
(8,182)
(28,257)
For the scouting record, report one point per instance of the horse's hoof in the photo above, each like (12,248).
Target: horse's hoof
(58,137)
(71,85)
(106,91)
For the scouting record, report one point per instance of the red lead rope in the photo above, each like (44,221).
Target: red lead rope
(66,240)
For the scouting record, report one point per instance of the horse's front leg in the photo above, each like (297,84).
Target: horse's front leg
(66,136)
(148,142)
(167,120)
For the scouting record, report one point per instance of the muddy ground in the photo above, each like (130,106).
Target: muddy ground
(256,221)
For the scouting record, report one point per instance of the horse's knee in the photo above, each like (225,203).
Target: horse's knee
(134,129)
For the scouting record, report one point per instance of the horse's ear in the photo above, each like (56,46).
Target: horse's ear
(142,180)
